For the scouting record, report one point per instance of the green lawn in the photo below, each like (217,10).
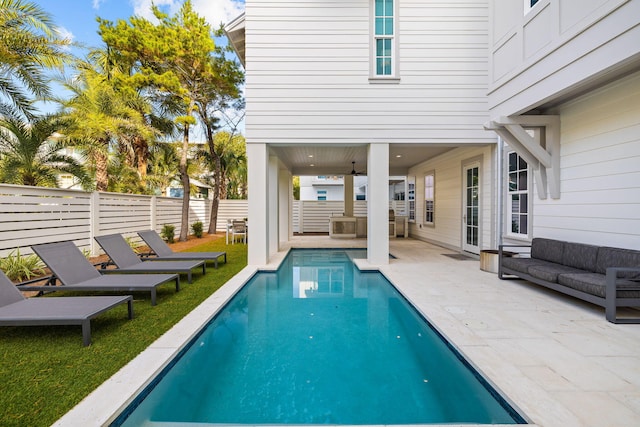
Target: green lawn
(45,371)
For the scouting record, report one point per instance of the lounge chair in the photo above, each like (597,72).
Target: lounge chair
(76,273)
(16,310)
(128,262)
(164,252)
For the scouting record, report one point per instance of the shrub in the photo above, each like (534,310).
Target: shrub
(196,227)
(21,267)
(168,232)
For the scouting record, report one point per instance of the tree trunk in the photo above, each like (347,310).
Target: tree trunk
(141,149)
(215,203)
(102,177)
(186,189)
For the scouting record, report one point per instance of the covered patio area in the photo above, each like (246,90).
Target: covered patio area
(555,358)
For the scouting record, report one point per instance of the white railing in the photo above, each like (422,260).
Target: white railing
(33,215)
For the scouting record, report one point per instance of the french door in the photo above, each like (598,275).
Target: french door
(471,208)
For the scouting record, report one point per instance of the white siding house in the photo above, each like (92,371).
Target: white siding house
(514,118)
(575,66)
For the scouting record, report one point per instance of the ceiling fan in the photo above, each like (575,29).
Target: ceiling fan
(353,170)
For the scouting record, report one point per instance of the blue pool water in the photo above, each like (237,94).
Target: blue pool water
(319,342)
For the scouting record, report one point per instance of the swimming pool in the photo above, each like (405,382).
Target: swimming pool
(318,342)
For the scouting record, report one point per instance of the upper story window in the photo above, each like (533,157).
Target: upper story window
(518,195)
(384,40)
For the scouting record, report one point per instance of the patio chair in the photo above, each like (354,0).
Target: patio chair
(127,261)
(238,228)
(76,273)
(164,252)
(16,310)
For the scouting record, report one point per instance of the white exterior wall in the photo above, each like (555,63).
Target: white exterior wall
(308,67)
(600,176)
(447,230)
(559,47)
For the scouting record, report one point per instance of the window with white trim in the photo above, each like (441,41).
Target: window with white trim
(517,195)
(384,38)
(411,183)
(429,198)
(322,194)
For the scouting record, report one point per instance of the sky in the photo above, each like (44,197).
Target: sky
(76,19)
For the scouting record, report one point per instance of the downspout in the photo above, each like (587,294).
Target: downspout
(500,195)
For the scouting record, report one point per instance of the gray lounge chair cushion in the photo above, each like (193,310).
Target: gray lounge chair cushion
(547,250)
(163,251)
(66,261)
(76,273)
(16,310)
(616,257)
(595,284)
(581,256)
(128,262)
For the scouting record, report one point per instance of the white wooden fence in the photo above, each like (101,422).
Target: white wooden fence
(33,215)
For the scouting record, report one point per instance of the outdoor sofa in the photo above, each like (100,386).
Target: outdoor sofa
(16,310)
(605,276)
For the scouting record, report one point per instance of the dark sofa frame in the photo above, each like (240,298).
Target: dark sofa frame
(617,278)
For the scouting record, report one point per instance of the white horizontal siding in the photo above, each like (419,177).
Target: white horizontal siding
(307,75)
(600,175)
(560,46)
(447,230)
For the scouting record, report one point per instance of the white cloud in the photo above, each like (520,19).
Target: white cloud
(214,11)
(65,34)
(218,11)
(96,4)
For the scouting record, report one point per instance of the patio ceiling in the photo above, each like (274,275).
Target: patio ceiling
(336,159)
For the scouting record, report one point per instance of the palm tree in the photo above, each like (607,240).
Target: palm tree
(164,166)
(100,118)
(31,156)
(30,44)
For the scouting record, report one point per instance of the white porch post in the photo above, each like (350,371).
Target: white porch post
(285,209)
(273,204)
(257,181)
(348,195)
(378,204)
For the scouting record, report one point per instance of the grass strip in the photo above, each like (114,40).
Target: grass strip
(45,371)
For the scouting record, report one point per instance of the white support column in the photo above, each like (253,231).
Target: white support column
(348,195)
(378,204)
(273,206)
(257,162)
(285,209)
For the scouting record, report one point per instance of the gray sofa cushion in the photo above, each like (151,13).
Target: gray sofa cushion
(595,284)
(521,264)
(579,255)
(550,272)
(616,257)
(547,250)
